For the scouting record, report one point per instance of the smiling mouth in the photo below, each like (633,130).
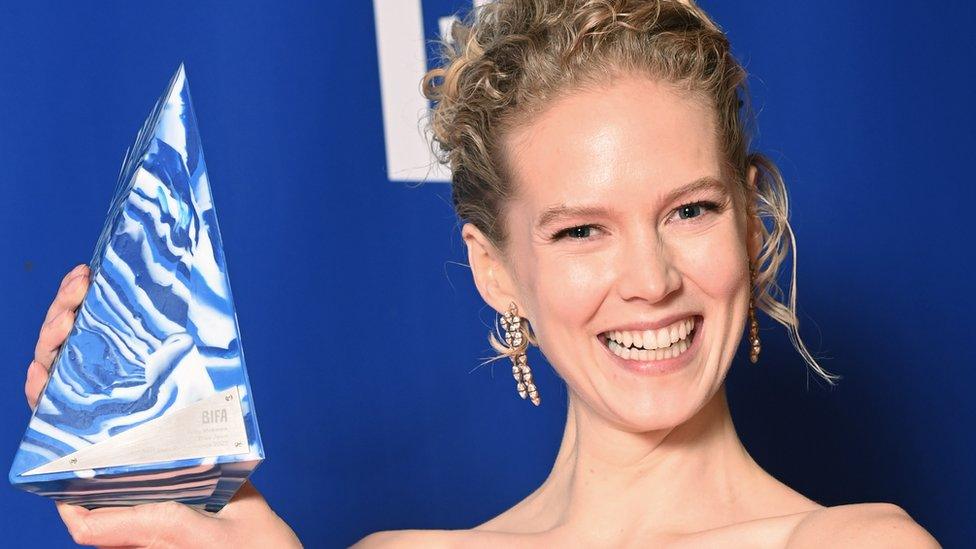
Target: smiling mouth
(651,345)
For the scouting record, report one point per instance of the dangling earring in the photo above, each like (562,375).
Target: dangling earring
(753,323)
(517,341)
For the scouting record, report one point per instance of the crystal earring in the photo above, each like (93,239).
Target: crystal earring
(753,323)
(517,341)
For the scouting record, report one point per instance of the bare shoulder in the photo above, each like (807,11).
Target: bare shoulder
(444,539)
(434,539)
(407,538)
(860,525)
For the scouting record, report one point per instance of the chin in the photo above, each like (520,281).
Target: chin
(650,395)
(653,413)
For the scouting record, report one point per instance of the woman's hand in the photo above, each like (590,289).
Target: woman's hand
(54,330)
(246,521)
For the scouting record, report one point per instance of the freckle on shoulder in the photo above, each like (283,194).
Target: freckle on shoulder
(862,525)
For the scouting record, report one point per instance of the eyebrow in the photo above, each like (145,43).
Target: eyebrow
(562,211)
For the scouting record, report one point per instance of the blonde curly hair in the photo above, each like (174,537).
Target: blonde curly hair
(508,59)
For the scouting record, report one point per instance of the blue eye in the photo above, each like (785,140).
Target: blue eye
(690,211)
(694,209)
(581,232)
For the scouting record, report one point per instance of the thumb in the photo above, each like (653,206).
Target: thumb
(150,524)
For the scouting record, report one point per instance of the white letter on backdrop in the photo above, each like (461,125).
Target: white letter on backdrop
(402,56)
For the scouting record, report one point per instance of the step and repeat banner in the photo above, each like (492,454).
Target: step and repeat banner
(363,331)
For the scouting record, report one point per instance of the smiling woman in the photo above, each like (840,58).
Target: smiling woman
(617,218)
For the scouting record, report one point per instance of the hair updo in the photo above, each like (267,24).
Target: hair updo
(509,59)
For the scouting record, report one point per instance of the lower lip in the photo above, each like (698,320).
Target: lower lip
(660,367)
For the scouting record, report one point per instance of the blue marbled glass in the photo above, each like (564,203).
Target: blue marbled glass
(157,332)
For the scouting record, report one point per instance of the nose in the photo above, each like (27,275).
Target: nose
(646,271)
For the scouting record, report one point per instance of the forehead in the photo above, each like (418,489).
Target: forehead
(635,137)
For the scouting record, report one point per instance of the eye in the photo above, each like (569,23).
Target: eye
(580,232)
(694,210)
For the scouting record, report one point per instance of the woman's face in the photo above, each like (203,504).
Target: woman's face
(623,222)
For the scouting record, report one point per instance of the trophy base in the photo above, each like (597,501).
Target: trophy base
(207,487)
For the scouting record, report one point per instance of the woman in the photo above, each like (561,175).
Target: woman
(614,217)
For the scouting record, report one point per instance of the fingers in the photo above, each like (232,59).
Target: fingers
(54,330)
(53,333)
(148,525)
(37,376)
(70,293)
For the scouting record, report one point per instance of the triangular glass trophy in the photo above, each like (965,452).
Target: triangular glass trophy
(149,398)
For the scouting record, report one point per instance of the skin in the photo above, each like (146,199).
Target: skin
(644,461)
(246,521)
(641,453)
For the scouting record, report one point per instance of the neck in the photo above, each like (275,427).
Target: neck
(607,482)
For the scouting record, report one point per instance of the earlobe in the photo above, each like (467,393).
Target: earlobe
(487,268)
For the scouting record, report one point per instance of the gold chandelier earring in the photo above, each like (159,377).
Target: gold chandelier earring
(517,341)
(753,323)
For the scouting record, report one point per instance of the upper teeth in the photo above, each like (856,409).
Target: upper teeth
(654,339)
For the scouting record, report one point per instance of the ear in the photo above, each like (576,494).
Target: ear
(754,234)
(491,274)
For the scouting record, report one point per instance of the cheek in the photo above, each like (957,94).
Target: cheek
(716,262)
(567,291)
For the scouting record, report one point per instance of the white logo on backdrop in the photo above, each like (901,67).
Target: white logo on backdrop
(402,57)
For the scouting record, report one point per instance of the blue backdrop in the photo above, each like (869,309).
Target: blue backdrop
(361,326)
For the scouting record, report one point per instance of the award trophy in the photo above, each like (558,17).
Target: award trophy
(148,399)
